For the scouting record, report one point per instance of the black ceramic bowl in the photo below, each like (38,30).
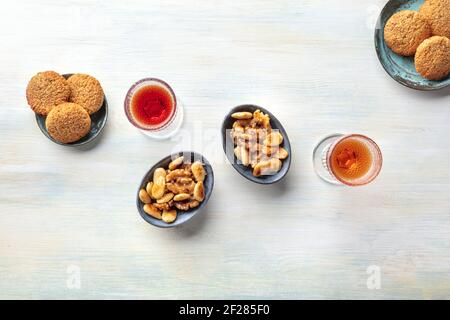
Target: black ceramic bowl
(98,122)
(247,172)
(182,216)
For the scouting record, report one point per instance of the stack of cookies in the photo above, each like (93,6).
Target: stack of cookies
(425,35)
(67,104)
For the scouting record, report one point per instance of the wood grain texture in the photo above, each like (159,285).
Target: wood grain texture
(311,63)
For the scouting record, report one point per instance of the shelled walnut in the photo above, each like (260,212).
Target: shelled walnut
(180,186)
(256,143)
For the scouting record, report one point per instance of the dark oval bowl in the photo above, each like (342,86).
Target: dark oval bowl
(98,122)
(247,172)
(182,216)
(400,68)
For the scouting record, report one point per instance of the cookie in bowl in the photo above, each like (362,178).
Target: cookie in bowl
(46,90)
(86,91)
(67,126)
(68,122)
(402,28)
(437,13)
(405,31)
(432,58)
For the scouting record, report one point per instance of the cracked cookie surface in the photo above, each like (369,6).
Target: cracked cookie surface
(46,90)
(68,122)
(437,13)
(432,58)
(405,31)
(86,91)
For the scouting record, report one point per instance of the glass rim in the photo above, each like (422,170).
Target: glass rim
(377,165)
(129,96)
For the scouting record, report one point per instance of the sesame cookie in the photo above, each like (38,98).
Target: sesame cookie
(86,91)
(433,58)
(405,30)
(68,122)
(46,90)
(437,13)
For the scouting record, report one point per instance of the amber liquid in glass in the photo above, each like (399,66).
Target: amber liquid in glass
(351,159)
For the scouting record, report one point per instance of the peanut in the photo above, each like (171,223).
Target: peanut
(152,211)
(268,167)
(281,154)
(198,171)
(144,197)
(273,139)
(148,188)
(169,216)
(175,163)
(159,183)
(165,198)
(181,197)
(242,115)
(199,191)
(245,156)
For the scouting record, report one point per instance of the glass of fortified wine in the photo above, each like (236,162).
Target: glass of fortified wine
(152,107)
(351,159)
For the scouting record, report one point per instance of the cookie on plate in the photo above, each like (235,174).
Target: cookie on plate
(68,122)
(46,90)
(86,91)
(405,31)
(437,13)
(432,58)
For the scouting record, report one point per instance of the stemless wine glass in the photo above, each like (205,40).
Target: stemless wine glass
(169,125)
(336,161)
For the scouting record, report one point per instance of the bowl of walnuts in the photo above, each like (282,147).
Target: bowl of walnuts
(175,189)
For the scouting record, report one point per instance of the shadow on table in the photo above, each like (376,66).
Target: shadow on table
(195,225)
(201,222)
(437,94)
(94,143)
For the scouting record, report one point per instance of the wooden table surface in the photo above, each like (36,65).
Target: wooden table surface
(69,227)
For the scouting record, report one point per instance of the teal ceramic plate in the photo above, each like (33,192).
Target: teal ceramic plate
(402,69)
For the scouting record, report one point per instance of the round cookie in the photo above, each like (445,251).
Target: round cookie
(405,31)
(68,122)
(86,91)
(46,90)
(432,58)
(437,13)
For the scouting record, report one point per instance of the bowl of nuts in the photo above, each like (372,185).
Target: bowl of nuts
(256,144)
(175,189)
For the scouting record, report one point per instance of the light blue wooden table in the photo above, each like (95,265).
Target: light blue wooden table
(68,223)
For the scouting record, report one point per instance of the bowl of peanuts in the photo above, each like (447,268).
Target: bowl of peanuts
(256,144)
(175,189)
